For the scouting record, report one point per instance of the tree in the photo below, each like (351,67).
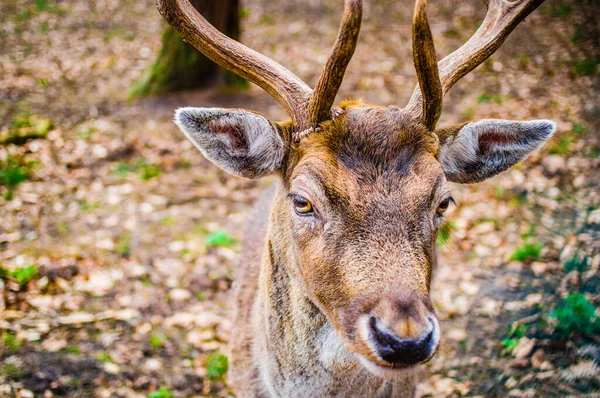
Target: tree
(180,66)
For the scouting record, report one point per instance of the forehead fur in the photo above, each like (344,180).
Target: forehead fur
(369,140)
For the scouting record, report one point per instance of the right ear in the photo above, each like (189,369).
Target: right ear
(240,142)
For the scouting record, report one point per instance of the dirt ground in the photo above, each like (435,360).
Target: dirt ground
(116,250)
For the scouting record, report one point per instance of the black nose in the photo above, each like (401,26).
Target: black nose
(400,351)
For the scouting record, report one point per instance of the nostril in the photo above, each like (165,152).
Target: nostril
(400,351)
(384,341)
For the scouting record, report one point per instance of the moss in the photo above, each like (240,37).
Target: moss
(180,66)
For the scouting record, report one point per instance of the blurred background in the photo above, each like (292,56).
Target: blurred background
(118,239)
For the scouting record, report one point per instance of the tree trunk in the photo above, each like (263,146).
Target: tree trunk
(179,66)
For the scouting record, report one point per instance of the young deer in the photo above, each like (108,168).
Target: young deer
(333,284)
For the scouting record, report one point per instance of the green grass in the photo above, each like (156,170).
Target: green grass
(485,97)
(586,67)
(162,392)
(46,6)
(145,170)
(527,251)
(561,147)
(21,275)
(104,357)
(579,129)
(85,133)
(156,341)
(11,371)
(72,350)
(26,126)
(12,173)
(576,315)
(576,263)
(511,341)
(11,341)
(561,9)
(216,366)
(124,245)
(87,207)
(219,238)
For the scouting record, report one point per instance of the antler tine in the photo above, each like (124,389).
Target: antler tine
(426,66)
(331,78)
(291,92)
(501,19)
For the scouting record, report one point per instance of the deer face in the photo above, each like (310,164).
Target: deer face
(361,204)
(364,201)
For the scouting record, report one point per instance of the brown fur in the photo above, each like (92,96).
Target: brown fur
(372,176)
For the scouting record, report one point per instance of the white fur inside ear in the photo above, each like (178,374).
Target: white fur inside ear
(241,142)
(484,148)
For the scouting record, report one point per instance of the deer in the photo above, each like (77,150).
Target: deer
(332,288)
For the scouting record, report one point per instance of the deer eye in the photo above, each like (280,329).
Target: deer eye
(302,206)
(444,204)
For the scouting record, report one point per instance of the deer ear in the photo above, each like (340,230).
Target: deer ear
(240,142)
(476,151)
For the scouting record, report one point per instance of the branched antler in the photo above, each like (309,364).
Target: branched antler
(501,19)
(305,107)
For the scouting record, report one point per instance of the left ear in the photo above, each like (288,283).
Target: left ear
(476,151)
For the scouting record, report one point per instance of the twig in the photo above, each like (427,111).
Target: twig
(526,320)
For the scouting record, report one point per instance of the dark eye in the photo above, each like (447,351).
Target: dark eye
(302,206)
(444,204)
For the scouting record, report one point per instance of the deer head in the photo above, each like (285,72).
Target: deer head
(364,187)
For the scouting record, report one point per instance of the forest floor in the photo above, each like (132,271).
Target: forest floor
(117,239)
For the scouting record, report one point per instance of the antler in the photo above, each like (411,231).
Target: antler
(501,19)
(331,78)
(426,66)
(305,107)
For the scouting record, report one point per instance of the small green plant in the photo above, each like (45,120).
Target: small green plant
(527,251)
(21,275)
(45,6)
(485,97)
(168,221)
(124,245)
(445,232)
(200,296)
(562,146)
(575,314)
(72,350)
(11,371)
(576,263)
(162,392)
(560,9)
(219,238)
(87,207)
(579,129)
(216,365)
(11,341)
(156,341)
(511,341)
(85,133)
(145,170)
(104,357)
(12,173)
(586,67)
(62,228)
(123,169)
